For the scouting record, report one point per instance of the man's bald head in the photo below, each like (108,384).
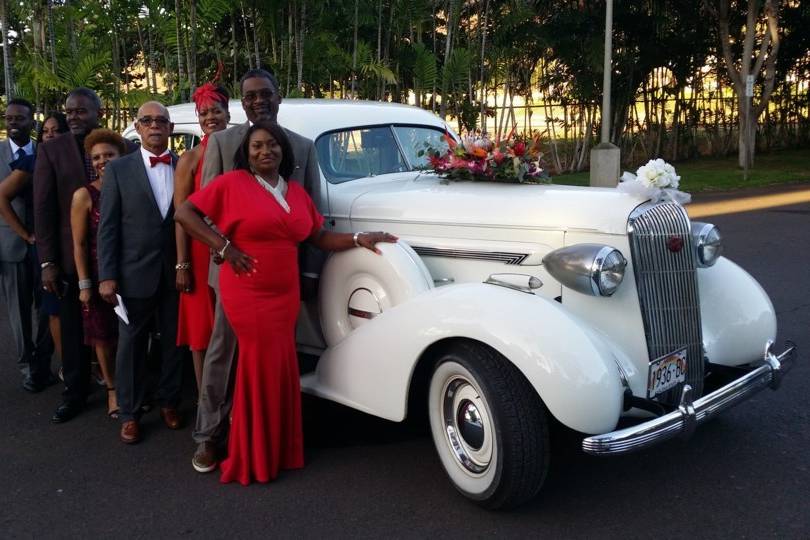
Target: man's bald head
(150,107)
(154,126)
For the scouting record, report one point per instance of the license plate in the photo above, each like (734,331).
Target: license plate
(666,373)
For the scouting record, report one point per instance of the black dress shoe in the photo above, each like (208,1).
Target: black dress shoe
(65,412)
(30,385)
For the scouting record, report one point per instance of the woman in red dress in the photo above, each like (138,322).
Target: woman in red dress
(263,218)
(196,312)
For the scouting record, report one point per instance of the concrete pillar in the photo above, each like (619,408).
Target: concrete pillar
(605,163)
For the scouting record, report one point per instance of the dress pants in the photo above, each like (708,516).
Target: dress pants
(216,393)
(133,341)
(75,354)
(21,293)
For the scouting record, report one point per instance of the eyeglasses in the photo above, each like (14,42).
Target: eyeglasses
(252,96)
(158,120)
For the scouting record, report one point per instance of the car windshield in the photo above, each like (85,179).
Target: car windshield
(369,151)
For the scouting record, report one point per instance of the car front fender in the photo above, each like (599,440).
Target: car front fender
(736,314)
(570,367)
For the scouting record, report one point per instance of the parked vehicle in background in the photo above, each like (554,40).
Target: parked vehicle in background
(504,305)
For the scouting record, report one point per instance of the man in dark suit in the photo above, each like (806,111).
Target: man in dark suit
(136,259)
(62,167)
(18,258)
(260,100)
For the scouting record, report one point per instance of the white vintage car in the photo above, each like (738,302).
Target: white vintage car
(505,305)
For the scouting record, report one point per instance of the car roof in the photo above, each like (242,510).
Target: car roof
(313,117)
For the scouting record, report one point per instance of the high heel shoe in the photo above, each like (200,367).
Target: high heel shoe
(111,412)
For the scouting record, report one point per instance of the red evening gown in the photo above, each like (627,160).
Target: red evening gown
(195,321)
(266,434)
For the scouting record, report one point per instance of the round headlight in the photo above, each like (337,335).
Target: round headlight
(610,270)
(594,269)
(708,243)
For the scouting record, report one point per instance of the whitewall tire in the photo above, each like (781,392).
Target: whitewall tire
(489,426)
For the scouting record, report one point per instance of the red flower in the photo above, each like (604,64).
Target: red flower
(519,149)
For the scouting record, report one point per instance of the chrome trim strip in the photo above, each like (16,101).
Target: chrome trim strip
(496,256)
(690,414)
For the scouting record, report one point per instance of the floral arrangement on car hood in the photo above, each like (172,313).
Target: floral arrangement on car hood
(657,181)
(478,158)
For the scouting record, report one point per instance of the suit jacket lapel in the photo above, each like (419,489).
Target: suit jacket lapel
(5,156)
(142,178)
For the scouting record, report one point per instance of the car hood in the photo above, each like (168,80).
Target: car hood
(429,199)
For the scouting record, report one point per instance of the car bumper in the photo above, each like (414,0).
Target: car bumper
(689,414)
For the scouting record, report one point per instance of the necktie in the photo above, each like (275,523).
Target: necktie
(20,153)
(165,158)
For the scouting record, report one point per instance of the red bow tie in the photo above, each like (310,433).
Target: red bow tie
(165,158)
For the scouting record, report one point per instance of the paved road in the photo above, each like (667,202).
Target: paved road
(745,475)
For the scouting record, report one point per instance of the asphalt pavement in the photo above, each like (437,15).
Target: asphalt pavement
(743,475)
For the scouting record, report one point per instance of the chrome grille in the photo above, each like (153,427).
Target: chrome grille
(667,288)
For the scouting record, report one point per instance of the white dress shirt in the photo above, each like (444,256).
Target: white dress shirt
(161,178)
(28,148)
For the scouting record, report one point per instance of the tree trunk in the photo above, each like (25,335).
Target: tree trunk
(177,13)
(247,39)
(8,73)
(354,50)
(192,54)
(51,36)
(765,56)
(234,49)
(481,79)
(300,31)
(448,50)
(152,58)
(256,36)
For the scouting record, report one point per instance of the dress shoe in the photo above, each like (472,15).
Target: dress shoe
(65,412)
(130,432)
(205,458)
(36,386)
(171,417)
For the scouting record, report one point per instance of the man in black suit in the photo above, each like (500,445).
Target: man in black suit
(61,168)
(136,258)
(18,257)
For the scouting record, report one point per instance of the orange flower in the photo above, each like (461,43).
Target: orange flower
(479,152)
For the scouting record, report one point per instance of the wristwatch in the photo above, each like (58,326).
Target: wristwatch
(183,266)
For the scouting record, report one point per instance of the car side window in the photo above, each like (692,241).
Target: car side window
(357,153)
(180,142)
(414,140)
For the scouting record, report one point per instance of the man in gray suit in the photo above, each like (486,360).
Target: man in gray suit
(18,257)
(136,259)
(260,100)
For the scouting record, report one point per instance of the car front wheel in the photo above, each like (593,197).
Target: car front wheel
(489,426)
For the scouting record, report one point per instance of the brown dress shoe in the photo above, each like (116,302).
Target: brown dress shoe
(171,417)
(130,432)
(205,458)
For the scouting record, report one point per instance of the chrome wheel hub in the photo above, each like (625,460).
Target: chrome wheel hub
(467,425)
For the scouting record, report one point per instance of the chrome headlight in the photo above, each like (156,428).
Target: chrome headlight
(594,269)
(708,243)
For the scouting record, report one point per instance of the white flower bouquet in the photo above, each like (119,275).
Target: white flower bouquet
(656,180)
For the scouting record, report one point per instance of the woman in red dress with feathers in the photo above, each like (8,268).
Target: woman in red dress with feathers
(196,313)
(264,214)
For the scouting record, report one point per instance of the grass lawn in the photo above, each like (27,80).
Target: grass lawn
(712,174)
